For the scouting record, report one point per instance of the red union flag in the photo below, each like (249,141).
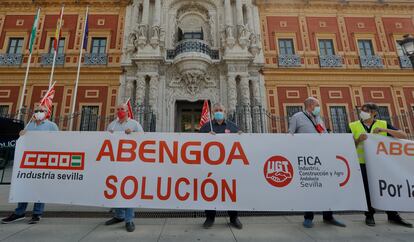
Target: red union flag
(205,114)
(47,100)
(130,113)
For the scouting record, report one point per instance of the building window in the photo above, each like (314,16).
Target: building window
(15,46)
(61,46)
(98,46)
(339,119)
(365,47)
(291,110)
(4,110)
(326,47)
(384,114)
(286,47)
(89,118)
(400,51)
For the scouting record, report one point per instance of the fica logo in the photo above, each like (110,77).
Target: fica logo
(278,171)
(53,160)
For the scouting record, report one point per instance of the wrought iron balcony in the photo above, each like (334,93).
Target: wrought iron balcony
(372,61)
(289,61)
(330,61)
(95,59)
(10,59)
(47,59)
(405,62)
(192,45)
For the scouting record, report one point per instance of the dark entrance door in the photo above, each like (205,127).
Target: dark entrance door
(188,116)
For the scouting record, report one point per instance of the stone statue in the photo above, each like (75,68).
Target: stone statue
(142,31)
(229,32)
(156,32)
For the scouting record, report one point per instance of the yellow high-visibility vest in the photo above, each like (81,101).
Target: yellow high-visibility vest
(357,128)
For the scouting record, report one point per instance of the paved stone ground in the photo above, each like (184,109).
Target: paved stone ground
(269,228)
(276,228)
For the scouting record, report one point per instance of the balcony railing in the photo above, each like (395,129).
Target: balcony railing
(330,61)
(373,61)
(47,59)
(193,45)
(289,61)
(405,62)
(10,59)
(95,59)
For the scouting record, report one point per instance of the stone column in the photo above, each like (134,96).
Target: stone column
(250,23)
(257,108)
(157,13)
(140,91)
(122,87)
(227,12)
(153,89)
(231,93)
(156,29)
(245,101)
(135,11)
(145,12)
(129,89)
(239,13)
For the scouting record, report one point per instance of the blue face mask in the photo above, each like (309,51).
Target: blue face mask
(219,116)
(316,111)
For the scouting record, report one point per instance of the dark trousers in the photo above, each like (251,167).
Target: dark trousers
(371,210)
(326,215)
(212,214)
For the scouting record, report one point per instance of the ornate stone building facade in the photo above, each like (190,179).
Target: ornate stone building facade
(343,52)
(178,53)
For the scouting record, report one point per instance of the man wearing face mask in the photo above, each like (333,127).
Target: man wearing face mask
(369,124)
(124,124)
(39,122)
(309,121)
(219,125)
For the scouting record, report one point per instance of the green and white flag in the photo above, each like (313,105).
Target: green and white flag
(34,30)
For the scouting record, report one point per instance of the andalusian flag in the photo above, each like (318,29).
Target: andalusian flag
(76,160)
(58,30)
(34,31)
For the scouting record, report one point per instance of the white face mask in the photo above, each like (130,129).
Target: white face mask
(40,116)
(364,115)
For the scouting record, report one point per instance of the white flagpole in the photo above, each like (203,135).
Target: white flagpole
(27,73)
(57,47)
(75,92)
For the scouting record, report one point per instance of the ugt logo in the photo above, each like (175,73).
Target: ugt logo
(278,171)
(53,160)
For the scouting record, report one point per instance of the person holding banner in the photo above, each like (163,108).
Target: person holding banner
(369,124)
(309,121)
(39,122)
(128,125)
(219,125)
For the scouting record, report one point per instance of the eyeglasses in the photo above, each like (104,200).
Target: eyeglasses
(39,111)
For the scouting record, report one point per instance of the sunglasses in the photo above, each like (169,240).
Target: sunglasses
(39,111)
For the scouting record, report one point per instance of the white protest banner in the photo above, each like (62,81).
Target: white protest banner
(189,171)
(390,168)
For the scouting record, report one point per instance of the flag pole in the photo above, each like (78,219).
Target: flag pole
(57,46)
(27,71)
(75,92)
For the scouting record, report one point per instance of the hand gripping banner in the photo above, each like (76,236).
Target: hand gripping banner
(267,172)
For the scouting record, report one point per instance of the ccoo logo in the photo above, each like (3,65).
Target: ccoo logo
(278,171)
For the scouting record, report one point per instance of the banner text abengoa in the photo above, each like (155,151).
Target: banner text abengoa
(190,153)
